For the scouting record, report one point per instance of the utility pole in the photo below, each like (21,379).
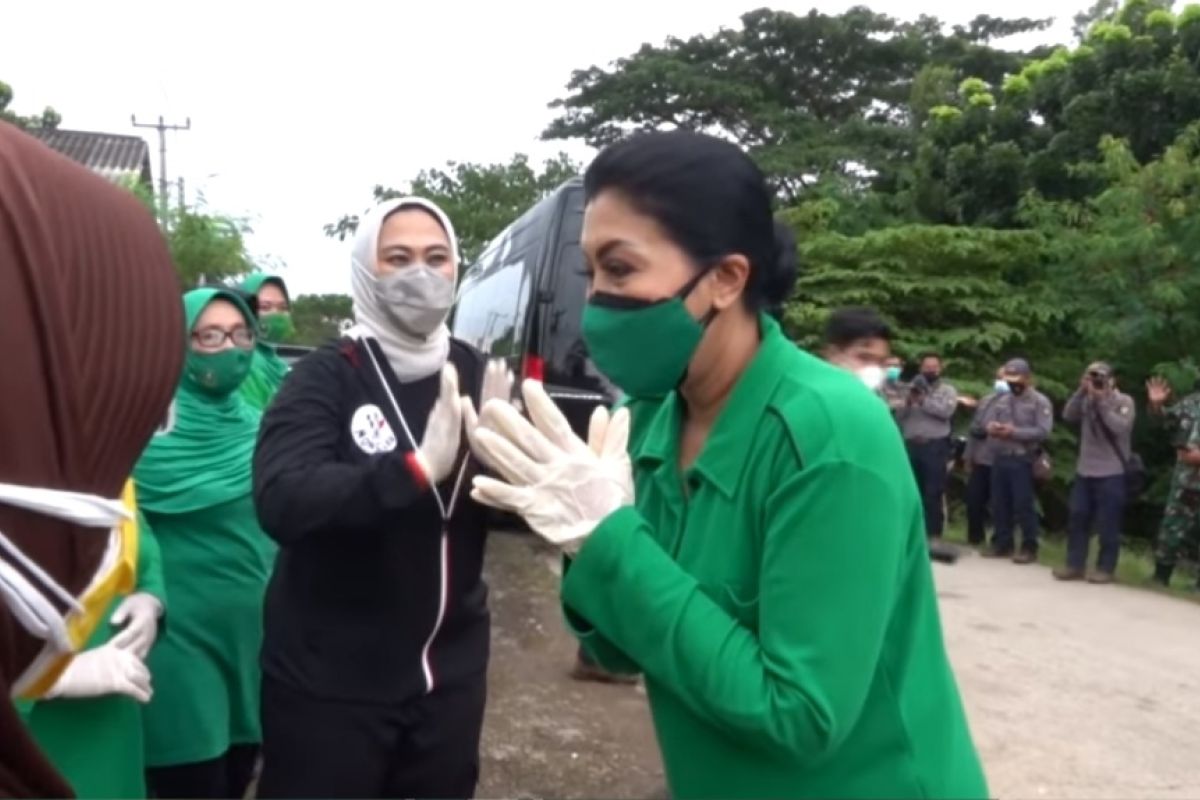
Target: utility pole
(162,129)
(179,183)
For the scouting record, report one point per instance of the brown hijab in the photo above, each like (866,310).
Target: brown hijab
(90,321)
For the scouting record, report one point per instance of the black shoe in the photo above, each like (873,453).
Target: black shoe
(943,551)
(1162,573)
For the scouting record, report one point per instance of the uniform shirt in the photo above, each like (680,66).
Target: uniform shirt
(1179,418)
(895,394)
(1186,476)
(929,418)
(369,601)
(778,596)
(980,449)
(1032,418)
(1114,411)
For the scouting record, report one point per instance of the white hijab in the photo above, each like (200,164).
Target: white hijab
(411,357)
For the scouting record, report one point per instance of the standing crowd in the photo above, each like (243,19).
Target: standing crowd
(1005,450)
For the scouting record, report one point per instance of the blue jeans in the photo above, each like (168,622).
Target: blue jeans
(1012,503)
(1100,501)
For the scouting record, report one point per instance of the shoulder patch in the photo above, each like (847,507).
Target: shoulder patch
(371,430)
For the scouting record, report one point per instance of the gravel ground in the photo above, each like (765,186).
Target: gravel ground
(1074,691)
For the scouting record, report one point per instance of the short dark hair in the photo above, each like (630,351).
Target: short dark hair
(710,198)
(848,325)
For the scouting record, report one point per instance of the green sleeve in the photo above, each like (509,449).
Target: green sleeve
(150,570)
(797,687)
(598,648)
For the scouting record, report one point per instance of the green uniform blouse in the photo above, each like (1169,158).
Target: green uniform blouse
(778,596)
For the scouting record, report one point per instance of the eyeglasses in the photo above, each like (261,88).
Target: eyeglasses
(212,338)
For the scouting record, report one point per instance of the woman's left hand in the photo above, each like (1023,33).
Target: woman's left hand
(562,486)
(139,613)
(497,385)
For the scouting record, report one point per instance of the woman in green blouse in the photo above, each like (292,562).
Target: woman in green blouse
(771,579)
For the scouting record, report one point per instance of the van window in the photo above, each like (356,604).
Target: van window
(565,353)
(493,301)
(486,313)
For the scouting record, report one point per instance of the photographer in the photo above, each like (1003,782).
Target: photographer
(1105,417)
(925,423)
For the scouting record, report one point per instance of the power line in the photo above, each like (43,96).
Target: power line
(162,128)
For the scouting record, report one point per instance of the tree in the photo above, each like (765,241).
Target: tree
(813,98)
(1099,11)
(206,247)
(319,318)
(480,199)
(972,294)
(49,119)
(1134,78)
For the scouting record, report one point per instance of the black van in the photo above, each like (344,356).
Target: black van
(522,300)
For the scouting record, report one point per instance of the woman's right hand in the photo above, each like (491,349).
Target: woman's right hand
(443,430)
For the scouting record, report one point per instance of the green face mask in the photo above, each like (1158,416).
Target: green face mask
(277,327)
(643,346)
(218,374)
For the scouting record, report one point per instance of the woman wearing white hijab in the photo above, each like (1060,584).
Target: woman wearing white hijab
(376,640)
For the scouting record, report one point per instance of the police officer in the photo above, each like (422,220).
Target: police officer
(925,423)
(979,457)
(1183,500)
(1105,418)
(1016,425)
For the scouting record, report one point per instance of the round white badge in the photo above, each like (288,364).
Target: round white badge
(371,430)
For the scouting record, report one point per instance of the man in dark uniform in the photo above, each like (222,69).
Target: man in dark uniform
(1016,425)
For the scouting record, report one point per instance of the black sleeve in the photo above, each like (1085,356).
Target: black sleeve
(300,486)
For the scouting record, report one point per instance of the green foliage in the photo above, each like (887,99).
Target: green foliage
(480,199)
(207,248)
(974,295)
(319,318)
(814,98)
(49,119)
(1135,77)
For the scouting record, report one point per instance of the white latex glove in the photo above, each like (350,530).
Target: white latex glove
(104,670)
(443,431)
(561,485)
(497,385)
(138,613)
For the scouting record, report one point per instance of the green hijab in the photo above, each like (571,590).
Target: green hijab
(204,457)
(268,370)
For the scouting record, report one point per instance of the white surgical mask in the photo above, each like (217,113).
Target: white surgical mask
(871,375)
(416,298)
(39,608)
(1001,387)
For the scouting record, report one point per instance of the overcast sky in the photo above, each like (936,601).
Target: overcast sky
(298,110)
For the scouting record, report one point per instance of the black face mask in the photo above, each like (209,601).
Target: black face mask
(1016,388)
(931,377)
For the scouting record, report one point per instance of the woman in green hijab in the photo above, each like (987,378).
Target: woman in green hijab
(267,370)
(194,487)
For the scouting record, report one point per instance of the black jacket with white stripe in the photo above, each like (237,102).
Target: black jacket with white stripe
(372,598)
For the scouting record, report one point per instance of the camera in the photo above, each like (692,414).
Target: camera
(919,385)
(1099,380)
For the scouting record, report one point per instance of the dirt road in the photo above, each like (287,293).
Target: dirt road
(1074,691)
